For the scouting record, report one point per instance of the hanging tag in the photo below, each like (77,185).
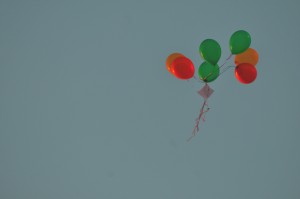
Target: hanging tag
(205,91)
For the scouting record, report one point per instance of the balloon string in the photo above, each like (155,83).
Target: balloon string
(205,78)
(199,118)
(225,69)
(226,61)
(198,80)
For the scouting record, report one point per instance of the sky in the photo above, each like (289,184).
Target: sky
(88,109)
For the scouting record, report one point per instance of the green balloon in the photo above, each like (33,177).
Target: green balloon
(210,51)
(208,72)
(239,42)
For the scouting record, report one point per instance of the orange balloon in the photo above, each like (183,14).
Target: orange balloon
(250,56)
(170,59)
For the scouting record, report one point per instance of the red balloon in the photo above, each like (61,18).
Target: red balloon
(183,68)
(246,73)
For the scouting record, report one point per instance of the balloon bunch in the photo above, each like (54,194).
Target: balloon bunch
(245,72)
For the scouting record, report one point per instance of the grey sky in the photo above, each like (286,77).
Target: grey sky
(88,109)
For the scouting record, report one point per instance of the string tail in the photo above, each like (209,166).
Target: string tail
(204,109)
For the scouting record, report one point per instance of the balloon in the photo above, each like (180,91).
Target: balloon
(208,72)
(250,56)
(245,73)
(183,68)
(210,51)
(239,42)
(170,59)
